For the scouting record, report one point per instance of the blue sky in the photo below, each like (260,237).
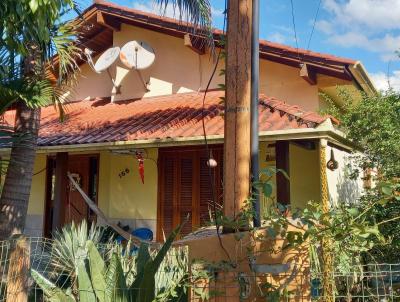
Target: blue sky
(366,30)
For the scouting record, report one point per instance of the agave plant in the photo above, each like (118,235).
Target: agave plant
(70,240)
(118,278)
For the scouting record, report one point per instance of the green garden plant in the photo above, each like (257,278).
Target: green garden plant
(373,123)
(122,278)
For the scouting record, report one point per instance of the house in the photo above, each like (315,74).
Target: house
(155,118)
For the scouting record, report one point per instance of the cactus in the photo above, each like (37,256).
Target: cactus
(108,283)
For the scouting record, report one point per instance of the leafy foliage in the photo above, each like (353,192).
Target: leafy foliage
(37,64)
(70,242)
(197,12)
(120,277)
(37,53)
(373,123)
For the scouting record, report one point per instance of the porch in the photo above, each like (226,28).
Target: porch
(176,183)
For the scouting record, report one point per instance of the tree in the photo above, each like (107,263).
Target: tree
(373,123)
(32,32)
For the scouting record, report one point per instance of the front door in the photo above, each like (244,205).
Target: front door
(84,169)
(77,209)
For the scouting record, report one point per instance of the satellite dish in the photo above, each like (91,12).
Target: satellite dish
(137,55)
(104,62)
(106,59)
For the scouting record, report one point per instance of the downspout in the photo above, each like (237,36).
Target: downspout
(254,148)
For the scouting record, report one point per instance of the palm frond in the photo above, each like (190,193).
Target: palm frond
(33,34)
(63,47)
(197,12)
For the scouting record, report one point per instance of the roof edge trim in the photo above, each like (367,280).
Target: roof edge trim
(361,75)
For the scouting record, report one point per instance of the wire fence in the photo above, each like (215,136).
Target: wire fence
(176,279)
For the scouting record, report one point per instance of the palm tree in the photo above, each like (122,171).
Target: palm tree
(32,33)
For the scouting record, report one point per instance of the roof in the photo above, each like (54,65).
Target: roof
(173,116)
(181,25)
(98,38)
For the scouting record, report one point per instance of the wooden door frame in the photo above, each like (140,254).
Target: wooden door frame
(48,225)
(47,220)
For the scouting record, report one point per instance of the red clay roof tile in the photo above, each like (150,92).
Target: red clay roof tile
(172,116)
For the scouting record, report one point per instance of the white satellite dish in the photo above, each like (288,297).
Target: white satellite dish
(107,59)
(104,62)
(137,55)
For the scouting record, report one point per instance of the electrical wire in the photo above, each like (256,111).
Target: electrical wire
(313,27)
(208,151)
(294,30)
(40,171)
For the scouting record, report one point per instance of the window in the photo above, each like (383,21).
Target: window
(187,186)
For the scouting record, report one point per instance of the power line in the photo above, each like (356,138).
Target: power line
(294,29)
(313,27)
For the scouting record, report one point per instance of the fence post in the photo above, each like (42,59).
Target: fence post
(18,270)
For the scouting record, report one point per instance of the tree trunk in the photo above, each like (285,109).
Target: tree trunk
(237,107)
(17,186)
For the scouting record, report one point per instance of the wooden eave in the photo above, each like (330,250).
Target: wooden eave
(95,39)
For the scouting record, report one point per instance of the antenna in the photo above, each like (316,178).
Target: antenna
(138,55)
(104,62)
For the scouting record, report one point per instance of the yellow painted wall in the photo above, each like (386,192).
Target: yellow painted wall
(175,70)
(119,198)
(304,176)
(91,84)
(126,197)
(37,196)
(178,69)
(284,83)
(343,189)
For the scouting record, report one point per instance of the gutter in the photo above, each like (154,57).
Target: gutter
(362,78)
(325,130)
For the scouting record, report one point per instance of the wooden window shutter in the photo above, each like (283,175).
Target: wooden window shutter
(206,206)
(185,188)
(185,197)
(167,195)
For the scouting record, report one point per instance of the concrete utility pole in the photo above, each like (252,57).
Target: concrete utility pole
(237,110)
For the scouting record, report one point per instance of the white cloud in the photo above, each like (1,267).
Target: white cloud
(387,44)
(361,23)
(383,82)
(325,26)
(277,37)
(152,7)
(216,12)
(375,14)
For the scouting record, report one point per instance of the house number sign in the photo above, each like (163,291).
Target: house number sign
(123,173)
